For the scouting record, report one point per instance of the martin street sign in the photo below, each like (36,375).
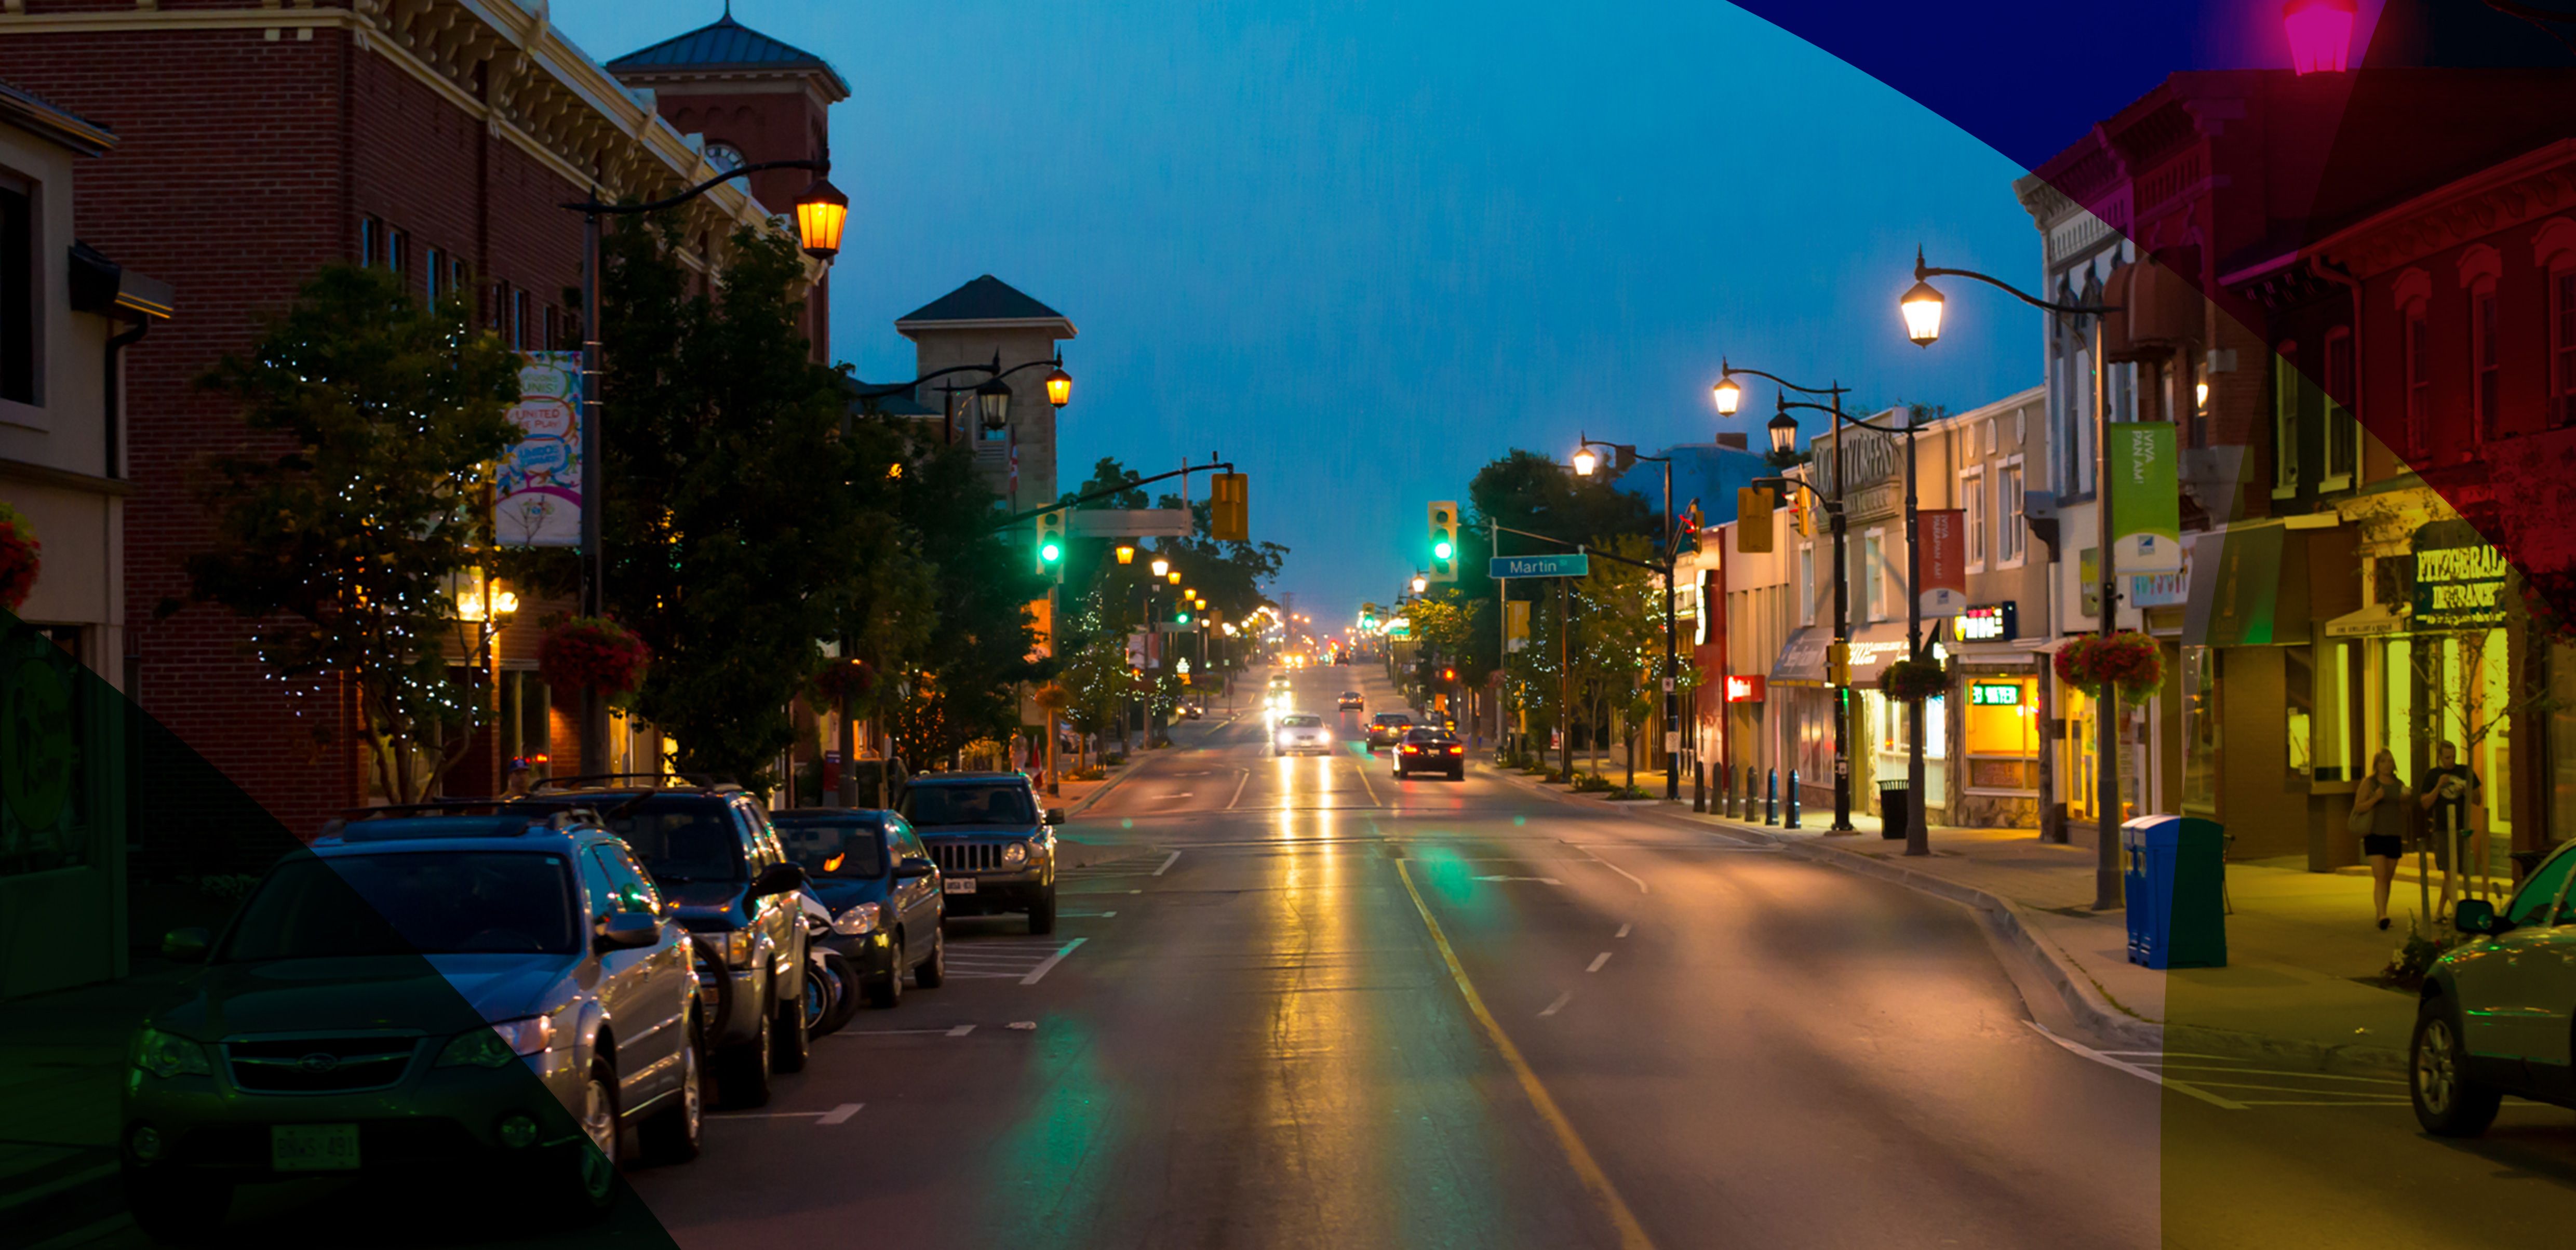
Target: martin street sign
(1576,564)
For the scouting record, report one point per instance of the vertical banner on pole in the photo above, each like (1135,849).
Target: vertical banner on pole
(537,492)
(2146,501)
(1944,535)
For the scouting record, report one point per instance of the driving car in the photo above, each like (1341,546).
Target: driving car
(424,987)
(871,871)
(1192,710)
(1351,701)
(994,847)
(1388,728)
(2495,1014)
(1301,733)
(1429,750)
(712,853)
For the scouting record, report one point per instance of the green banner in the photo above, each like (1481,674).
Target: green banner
(2146,501)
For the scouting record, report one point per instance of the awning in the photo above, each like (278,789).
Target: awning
(1802,662)
(2369,622)
(2239,594)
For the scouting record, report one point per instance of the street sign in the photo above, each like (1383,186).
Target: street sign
(1175,627)
(1130,522)
(1575,564)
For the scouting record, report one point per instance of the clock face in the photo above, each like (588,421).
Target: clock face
(724,157)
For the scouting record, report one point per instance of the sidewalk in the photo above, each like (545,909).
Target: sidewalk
(2299,943)
(61,1055)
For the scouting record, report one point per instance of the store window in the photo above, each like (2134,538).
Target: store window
(1873,576)
(2200,732)
(2343,432)
(2012,533)
(1972,502)
(2299,690)
(2285,422)
(19,279)
(2486,398)
(2002,717)
(2418,348)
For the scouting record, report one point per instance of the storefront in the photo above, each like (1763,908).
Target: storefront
(1998,719)
(1803,707)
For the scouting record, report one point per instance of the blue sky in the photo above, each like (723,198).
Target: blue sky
(1363,248)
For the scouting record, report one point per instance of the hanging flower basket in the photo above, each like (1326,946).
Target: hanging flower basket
(587,653)
(21,558)
(851,678)
(1908,680)
(2128,661)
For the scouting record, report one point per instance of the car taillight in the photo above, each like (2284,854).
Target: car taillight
(1457,750)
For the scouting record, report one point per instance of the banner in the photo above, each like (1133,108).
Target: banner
(1944,535)
(536,498)
(2146,500)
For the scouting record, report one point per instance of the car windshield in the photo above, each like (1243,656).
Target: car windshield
(1301,722)
(1389,718)
(682,839)
(834,847)
(930,806)
(410,903)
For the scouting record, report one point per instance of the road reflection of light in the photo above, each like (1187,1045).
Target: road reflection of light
(1318,1123)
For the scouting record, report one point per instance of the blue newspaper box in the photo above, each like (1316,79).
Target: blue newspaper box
(2177,885)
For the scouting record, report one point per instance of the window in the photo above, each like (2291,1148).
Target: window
(2485,395)
(2196,434)
(2285,422)
(2417,345)
(1990,436)
(398,251)
(2562,302)
(18,335)
(500,311)
(434,274)
(2343,433)
(371,241)
(554,330)
(455,275)
(2012,533)
(1972,503)
(519,319)
(2081,404)
(1873,576)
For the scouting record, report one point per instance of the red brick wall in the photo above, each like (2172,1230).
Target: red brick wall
(765,126)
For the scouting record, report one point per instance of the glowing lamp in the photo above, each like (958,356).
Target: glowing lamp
(1585,462)
(1729,395)
(821,210)
(1161,567)
(1922,308)
(1059,386)
(1126,553)
(2320,34)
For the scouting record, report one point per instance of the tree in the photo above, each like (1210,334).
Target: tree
(1622,614)
(966,684)
(736,506)
(345,543)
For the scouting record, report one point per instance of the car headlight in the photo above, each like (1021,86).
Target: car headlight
(1015,854)
(495,1046)
(739,946)
(168,1054)
(857,920)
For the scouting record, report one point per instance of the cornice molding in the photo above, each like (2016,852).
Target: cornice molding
(2509,194)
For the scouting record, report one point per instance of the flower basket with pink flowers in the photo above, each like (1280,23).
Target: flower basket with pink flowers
(1908,680)
(21,558)
(589,653)
(2127,661)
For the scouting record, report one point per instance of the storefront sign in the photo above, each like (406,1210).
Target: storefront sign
(2146,503)
(1944,535)
(2163,590)
(2459,580)
(1990,622)
(536,497)
(1744,689)
(1994,694)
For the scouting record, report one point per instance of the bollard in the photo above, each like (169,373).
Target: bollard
(1699,786)
(1739,792)
(1726,790)
(1789,817)
(1771,798)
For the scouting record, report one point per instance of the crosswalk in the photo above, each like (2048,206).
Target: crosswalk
(1024,960)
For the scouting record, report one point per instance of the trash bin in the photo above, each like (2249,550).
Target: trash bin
(2177,891)
(1895,809)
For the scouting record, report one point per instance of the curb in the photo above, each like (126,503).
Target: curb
(2004,918)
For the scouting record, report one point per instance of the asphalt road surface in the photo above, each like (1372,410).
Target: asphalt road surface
(1320,1007)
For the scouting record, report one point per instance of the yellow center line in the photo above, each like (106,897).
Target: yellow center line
(1631,1234)
(1364,782)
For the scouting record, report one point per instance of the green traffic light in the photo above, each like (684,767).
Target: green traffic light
(1442,550)
(1183,618)
(1050,553)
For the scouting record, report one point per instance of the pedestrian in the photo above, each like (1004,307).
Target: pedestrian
(2449,791)
(2379,816)
(517,785)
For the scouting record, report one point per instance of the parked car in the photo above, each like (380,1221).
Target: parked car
(1431,751)
(380,1001)
(2496,1010)
(994,846)
(711,850)
(881,887)
(1352,702)
(1387,729)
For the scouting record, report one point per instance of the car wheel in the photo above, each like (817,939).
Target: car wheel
(845,992)
(173,1205)
(819,999)
(933,971)
(2448,1101)
(745,1073)
(1459,773)
(887,990)
(589,1187)
(795,1042)
(1042,914)
(673,1135)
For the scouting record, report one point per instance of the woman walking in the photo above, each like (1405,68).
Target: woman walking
(2379,815)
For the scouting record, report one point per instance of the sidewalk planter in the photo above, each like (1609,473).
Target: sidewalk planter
(2177,891)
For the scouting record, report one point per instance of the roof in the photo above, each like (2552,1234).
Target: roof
(32,113)
(989,302)
(726,46)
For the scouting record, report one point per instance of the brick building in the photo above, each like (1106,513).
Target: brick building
(435,137)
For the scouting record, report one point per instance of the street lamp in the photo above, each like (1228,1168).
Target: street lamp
(1585,462)
(993,400)
(1784,434)
(2321,33)
(1728,393)
(1921,305)
(2107,888)
(821,210)
(1421,584)
(1126,553)
(1160,566)
(1625,454)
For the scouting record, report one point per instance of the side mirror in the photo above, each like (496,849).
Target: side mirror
(2476,915)
(1055,815)
(913,868)
(627,930)
(778,879)
(186,946)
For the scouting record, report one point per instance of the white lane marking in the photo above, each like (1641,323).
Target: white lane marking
(1598,960)
(1167,864)
(961,1030)
(1641,884)
(1025,1026)
(2318,1076)
(2276,1102)
(1623,931)
(1049,966)
(1238,795)
(841,1114)
(896,1032)
(1365,787)
(1558,1005)
(1086,915)
(2133,1069)
(1549,880)
(836,1115)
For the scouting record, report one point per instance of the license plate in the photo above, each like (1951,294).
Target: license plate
(960,885)
(313,1147)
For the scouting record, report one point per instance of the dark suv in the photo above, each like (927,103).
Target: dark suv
(712,852)
(881,886)
(1388,728)
(994,847)
(424,987)
(1429,750)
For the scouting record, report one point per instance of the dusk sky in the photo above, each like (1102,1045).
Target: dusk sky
(1363,248)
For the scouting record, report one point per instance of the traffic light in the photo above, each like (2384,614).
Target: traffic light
(1752,519)
(1838,663)
(1448,674)
(1230,508)
(1444,541)
(1050,544)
